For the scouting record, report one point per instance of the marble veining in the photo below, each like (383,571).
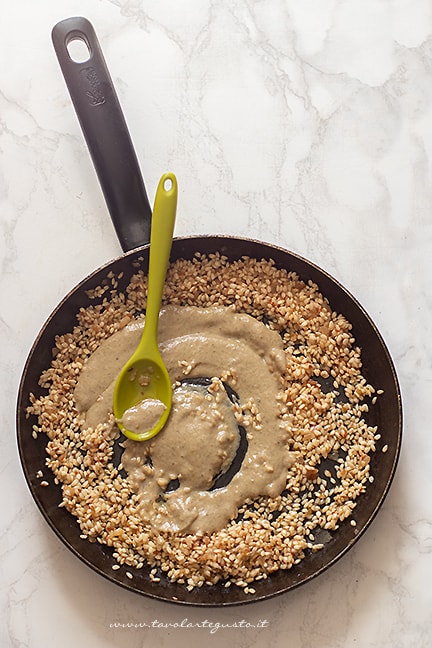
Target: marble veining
(305,124)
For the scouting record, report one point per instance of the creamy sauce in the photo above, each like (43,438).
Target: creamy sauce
(199,443)
(201,436)
(143,417)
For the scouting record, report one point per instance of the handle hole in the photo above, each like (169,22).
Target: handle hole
(168,184)
(78,50)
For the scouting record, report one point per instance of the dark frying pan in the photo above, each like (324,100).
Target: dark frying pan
(106,133)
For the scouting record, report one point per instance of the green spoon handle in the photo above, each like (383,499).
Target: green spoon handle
(162,228)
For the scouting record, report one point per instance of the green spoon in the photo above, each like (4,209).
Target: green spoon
(143,383)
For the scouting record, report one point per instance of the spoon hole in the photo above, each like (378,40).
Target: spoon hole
(168,184)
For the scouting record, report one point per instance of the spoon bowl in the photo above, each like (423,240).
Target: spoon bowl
(143,391)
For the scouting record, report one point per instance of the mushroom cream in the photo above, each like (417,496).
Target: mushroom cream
(143,416)
(175,474)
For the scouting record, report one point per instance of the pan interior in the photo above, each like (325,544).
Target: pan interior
(387,415)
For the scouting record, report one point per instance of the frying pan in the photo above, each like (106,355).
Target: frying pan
(110,146)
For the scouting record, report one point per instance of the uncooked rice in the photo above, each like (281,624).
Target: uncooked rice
(324,397)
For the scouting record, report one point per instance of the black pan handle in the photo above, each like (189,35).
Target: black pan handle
(105,131)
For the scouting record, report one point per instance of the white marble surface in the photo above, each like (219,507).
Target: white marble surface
(303,123)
